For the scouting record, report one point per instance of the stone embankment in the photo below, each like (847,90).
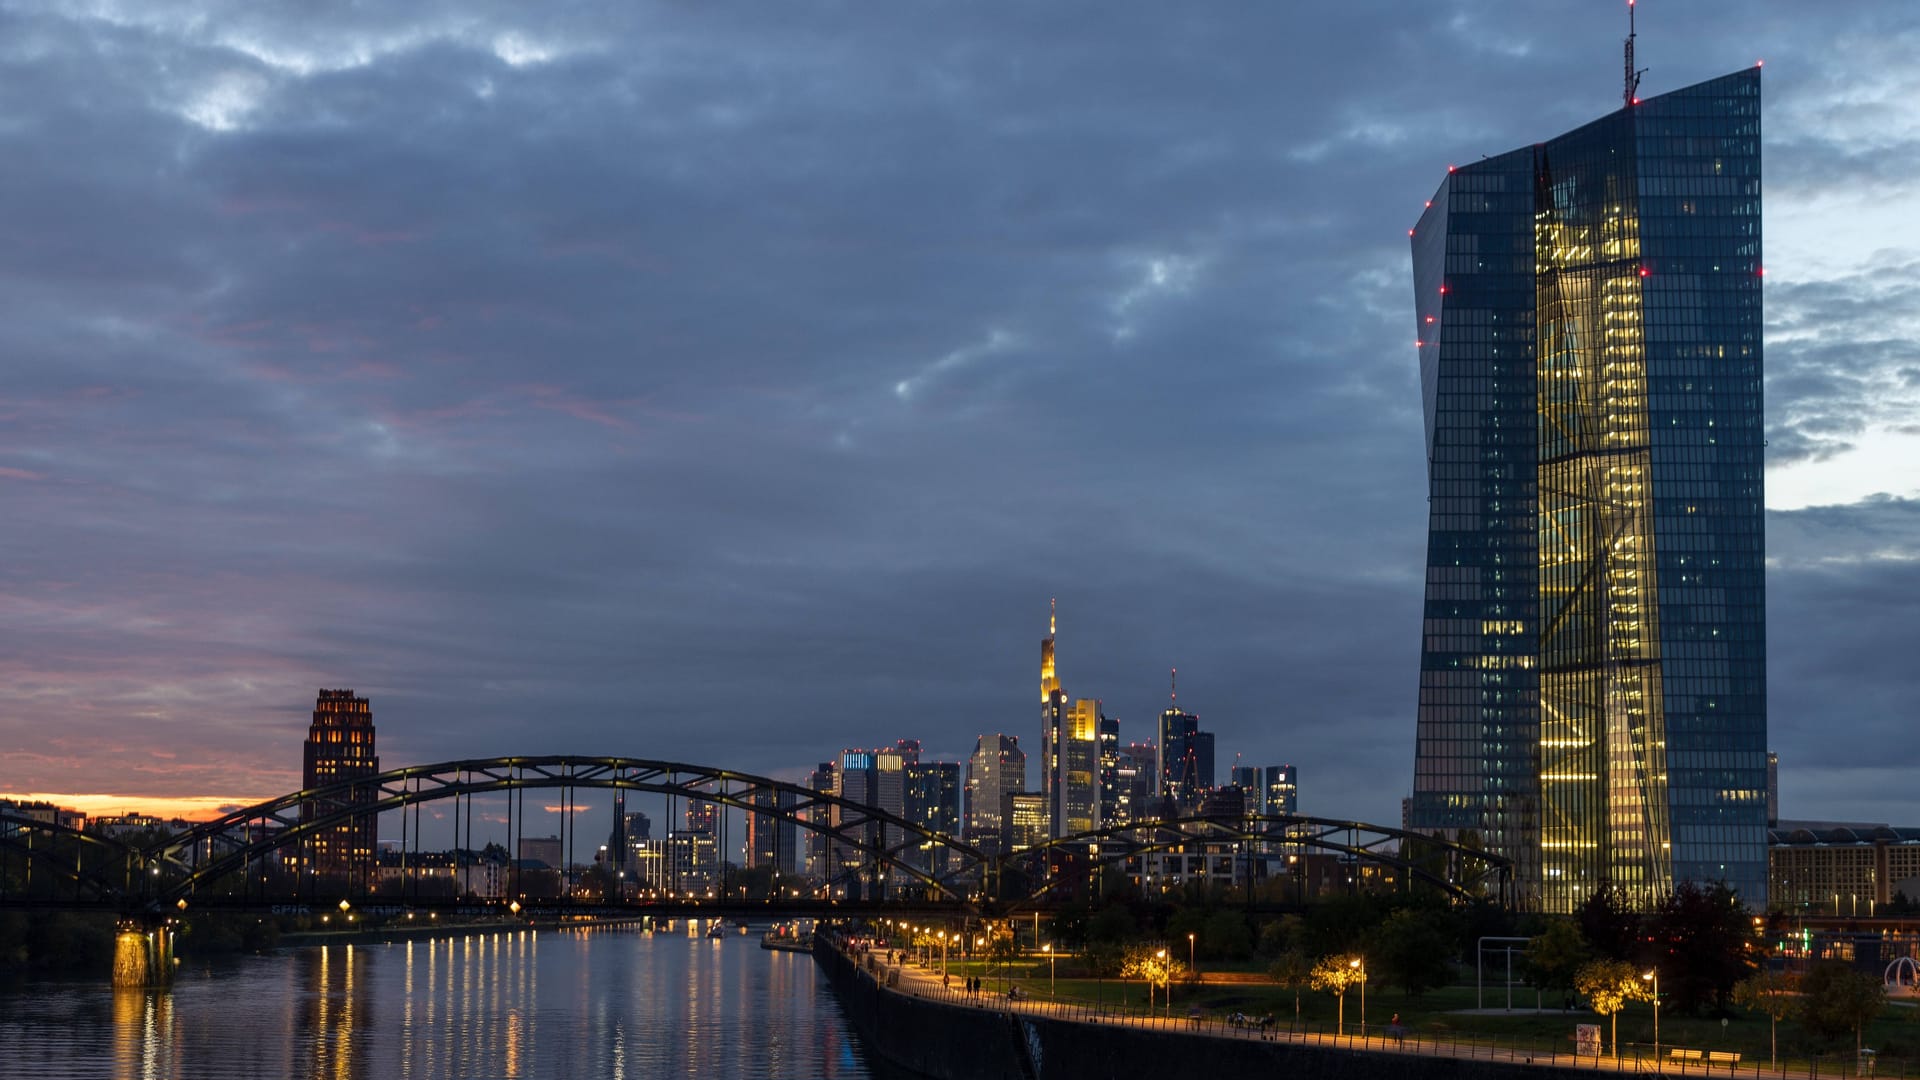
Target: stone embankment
(908,1017)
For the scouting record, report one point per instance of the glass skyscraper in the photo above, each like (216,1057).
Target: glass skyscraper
(1593,658)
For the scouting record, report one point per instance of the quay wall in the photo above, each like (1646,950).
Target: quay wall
(948,1041)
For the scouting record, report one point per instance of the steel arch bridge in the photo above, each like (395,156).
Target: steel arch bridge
(217,854)
(215,849)
(86,862)
(1479,875)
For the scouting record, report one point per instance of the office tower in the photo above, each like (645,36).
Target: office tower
(702,816)
(890,791)
(617,838)
(997,769)
(1073,793)
(694,861)
(543,849)
(1593,682)
(770,838)
(1283,789)
(1247,779)
(855,784)
(1111,793)
(339,748)
(1773,789)
(908,749)
(933,802)
(1186,755)
(1027,819)
(1126,788)
(1146,764)
(639,827)
(1053,707)
(1225,801)
(819,847)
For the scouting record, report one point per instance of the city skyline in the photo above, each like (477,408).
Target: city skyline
(670,385)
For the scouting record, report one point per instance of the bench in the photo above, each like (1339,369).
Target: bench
(1728,1058)
(1678,1054)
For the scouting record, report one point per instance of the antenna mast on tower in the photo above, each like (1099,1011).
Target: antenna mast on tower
(1631,95)
(1173,685)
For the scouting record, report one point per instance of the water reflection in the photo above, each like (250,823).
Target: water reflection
(143,1037)
(529,1006)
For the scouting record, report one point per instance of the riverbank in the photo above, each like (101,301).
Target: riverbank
(917,1021)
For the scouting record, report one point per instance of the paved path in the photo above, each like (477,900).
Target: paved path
(925,983)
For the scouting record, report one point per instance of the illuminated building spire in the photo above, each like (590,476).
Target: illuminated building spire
(1049,682)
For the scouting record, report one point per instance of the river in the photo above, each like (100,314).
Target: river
(591,1004)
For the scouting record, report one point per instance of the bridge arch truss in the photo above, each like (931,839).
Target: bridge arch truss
(1461,872)
(217,849)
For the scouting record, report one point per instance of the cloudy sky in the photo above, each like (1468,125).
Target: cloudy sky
(736,382)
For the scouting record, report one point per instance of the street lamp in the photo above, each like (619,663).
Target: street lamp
(1190,966)
(1048,949)
(1653,976)
(1162,956)
(1359,964)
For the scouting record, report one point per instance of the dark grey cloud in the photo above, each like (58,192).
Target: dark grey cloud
(737,384)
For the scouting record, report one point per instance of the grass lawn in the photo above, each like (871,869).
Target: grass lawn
(1896,1034)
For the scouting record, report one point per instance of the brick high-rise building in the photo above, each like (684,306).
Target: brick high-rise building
(339,747)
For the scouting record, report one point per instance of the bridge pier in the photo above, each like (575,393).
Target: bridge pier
(143,952)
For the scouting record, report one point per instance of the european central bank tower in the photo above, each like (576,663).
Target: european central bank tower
(1593,693)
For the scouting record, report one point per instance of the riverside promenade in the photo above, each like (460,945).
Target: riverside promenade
(1038,1039)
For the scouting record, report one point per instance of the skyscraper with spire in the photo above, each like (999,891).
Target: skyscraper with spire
(1069,746)
(1053,704)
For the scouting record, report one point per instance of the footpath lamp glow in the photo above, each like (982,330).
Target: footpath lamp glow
(1653,977)
(1360,964)
(1048,949)
(1163,973)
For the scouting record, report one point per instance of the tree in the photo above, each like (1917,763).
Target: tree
(1336,975)
(1069,926)
(1280,935)
(1608,923)
(1770,992)
(1226,936)
(1413,950)
(1835,999)
(1154,965)
(1608,985)
(1293,971)
(1112,923)
(1706,945)
(1339,924)
(1552,958)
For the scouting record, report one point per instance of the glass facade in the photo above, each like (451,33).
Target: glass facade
(1593,687)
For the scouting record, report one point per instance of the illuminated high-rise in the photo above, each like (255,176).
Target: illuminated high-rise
(1186,759)
(997,769)
(1114,801)
(339,747)
(1593,661)
(1073,788)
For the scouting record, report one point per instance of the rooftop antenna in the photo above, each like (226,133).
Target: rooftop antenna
(1631,95)
(1053,615)
(1173,685)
